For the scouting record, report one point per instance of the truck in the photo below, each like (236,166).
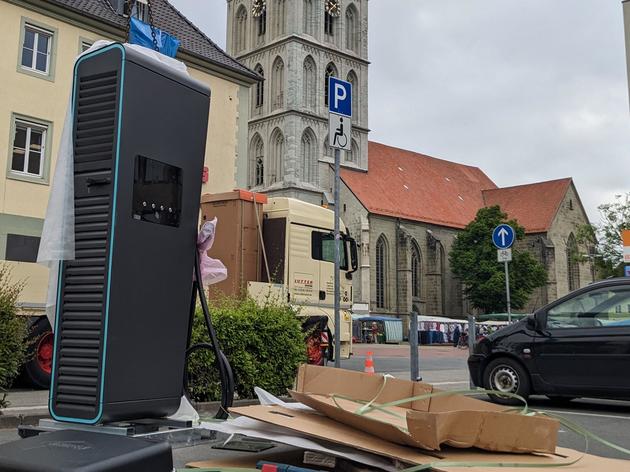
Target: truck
(283,248)
(279,248)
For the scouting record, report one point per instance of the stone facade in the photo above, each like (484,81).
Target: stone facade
(296,46)
(437,291)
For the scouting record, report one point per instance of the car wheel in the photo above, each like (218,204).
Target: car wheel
(37,369)
(507,376)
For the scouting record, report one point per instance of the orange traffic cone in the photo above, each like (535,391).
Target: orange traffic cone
(369,364)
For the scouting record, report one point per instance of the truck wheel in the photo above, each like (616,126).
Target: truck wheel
(508,376)
(38,367)
(315,354)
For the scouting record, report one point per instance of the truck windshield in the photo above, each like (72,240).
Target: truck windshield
(323,248)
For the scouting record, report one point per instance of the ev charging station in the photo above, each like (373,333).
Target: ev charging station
(125,303)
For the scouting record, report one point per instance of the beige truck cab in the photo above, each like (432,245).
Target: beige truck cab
(284,248)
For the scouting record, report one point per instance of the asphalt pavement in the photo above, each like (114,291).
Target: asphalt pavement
(445,367)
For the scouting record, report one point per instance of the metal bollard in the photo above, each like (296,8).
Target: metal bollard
(472,336)
(414,356)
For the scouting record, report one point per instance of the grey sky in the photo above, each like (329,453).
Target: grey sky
(526,90)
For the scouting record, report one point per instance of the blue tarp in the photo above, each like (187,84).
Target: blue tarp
(140,33)
(380,318)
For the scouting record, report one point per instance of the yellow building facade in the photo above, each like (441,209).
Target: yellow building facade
(40,41)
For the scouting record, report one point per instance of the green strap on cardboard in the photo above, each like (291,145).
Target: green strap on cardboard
(366,407)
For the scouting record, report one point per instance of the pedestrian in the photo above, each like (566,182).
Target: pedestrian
(456,334)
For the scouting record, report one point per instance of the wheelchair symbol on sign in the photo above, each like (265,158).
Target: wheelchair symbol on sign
(340,138)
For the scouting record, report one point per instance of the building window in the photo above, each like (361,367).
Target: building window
(37,49)
(331,71)
(277,156)
(141,10)
(277,84)
(309,158)
(84,45)
(353,154)
(329,24)
(352,78)
(381,272)
(352,29)
(279,18)
(22,248)
(261,25)
(28,154)
(258,158)
(240,30)
(309,17)
(260,87)
(416,274)
(309,87)
(573,263)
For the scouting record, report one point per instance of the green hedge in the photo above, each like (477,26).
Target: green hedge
(13,331)
(264,344)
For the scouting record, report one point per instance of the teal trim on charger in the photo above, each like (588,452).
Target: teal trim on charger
(111,247)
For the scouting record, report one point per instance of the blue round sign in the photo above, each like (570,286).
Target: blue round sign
(503,236)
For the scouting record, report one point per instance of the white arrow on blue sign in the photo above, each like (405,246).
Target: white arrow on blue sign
(503,236)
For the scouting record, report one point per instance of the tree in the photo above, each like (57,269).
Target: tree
(473,259)
(605,236)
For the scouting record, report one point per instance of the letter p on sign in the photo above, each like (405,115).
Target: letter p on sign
(341,97)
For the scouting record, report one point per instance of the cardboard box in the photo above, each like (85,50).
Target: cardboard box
(454,420)
(321,427)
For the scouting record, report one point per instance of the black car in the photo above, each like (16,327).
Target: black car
(577,346)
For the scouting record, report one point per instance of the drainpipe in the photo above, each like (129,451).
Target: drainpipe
(397,267)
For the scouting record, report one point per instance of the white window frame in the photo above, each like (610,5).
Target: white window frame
(38,31)
(44,164)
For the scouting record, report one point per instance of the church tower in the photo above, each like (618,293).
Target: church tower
(296,45)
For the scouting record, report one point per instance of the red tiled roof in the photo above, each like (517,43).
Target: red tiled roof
(413,186)
(534,206)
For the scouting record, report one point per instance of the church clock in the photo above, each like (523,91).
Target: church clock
(333,8)
(258,8)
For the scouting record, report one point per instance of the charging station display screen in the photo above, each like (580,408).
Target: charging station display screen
(157,192)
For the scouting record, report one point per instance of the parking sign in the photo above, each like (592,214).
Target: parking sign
(340,97)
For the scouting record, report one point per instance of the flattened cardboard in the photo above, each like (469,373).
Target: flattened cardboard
(322,427)
(454,420)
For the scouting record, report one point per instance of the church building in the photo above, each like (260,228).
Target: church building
(405,208)
(296,45)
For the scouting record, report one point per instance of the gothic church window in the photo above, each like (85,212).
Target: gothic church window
(381,272)
(573,264)
(309,156)
(277,84)
(260,87)
(309,17)
(277,156)
(331,71)
(353,155)
(240,30)
(261,25)
(352,29)
(352,78)
(416,271)
(279,17)
(329,25)
(309,86)
(258,161)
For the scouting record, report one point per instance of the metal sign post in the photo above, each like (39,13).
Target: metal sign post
(413,347)
(503,237)
(340,132)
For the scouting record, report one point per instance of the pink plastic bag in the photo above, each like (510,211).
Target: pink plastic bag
(212,270)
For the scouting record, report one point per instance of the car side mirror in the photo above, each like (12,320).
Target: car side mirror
(534,322)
